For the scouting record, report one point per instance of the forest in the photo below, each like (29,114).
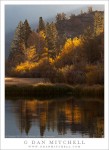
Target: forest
(68,50)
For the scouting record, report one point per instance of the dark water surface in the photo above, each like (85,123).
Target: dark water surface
(65,117)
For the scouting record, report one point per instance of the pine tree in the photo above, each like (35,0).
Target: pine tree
(41,24)
(98,23)
(26,31)
(32,39)
(60,17)
(81,12)
(90,10)
(52,39)
(16,55)
(54,36)
(90,46)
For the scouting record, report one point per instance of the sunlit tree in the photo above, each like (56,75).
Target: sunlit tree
(98,23)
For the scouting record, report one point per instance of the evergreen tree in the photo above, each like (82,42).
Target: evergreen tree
(98,23)
(81,12)
(90,10)
(88,34)
(91,49)
(41,46)
(54,36)
(32,39)
(41,24)
(52,39)
(16,55)
(26,31)
(60,17)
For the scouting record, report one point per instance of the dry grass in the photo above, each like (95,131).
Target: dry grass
(25,81)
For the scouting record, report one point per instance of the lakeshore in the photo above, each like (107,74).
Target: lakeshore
(32,87)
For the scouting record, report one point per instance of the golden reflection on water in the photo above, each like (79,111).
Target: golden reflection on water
(77,115)
(61,116)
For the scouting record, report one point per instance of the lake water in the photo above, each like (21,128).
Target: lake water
(57,118)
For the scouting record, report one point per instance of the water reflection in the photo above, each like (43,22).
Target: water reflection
(58,118)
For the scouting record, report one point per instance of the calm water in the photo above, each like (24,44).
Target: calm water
(67,117)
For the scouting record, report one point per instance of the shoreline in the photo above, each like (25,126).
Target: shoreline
(53,90)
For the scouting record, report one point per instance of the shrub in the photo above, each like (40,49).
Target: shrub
(95,75)
(44,69)
(71,75)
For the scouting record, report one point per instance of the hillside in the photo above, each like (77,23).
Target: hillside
(76,24)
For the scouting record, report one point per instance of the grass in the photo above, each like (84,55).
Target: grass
(54,90)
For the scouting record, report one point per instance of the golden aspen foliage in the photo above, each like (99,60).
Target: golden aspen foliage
(26,66)
(77,41)
(69,52)
(51,60)
(68,46)
(30,53)
(42,34)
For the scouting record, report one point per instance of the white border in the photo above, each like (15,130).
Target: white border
(90,143)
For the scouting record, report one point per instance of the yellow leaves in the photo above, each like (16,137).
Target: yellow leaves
(41,56)
(26,66)
(68,54)
(57,58)
(46,49)
(68,46)
(30,53)
(77,41)
(30,64)
(77,115)
(51,60)
(42,34)
(71,44)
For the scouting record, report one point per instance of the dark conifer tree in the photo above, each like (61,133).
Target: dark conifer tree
(90,10)
(26,31)
(60,17)
(52,39)
(16,55)
(41,24)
